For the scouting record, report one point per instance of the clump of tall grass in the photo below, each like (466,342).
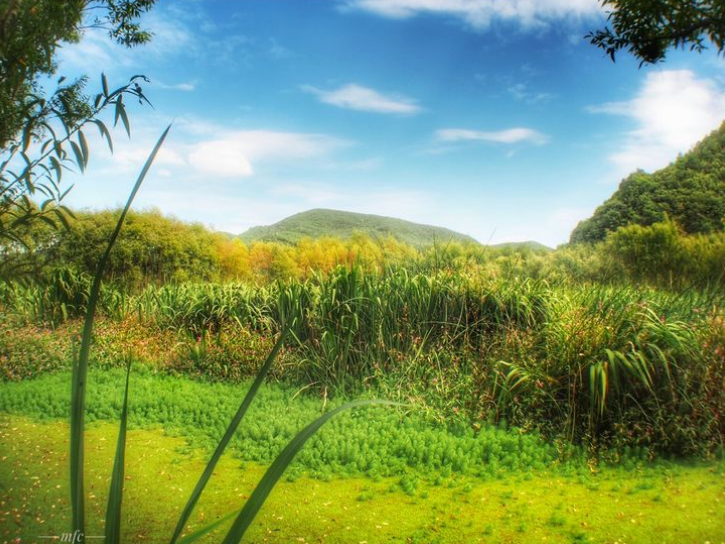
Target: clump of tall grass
(592,362)
(79,387)
(63,295)
(613,366)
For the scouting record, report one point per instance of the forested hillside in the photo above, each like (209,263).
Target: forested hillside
(690,191)
(339,224)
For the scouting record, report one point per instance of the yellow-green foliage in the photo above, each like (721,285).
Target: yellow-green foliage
(158,249)
(661,254)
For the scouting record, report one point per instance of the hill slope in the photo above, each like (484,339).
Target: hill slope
(530,245)
(321,222)
(690,191)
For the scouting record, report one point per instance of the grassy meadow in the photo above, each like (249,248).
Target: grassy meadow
(561,396)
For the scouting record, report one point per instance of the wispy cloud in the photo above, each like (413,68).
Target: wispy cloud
(480,14)
(521,92)
(188,86)
(509,136)
(673,110)
(278,51)
(234,154)
(200,150)
(357,97)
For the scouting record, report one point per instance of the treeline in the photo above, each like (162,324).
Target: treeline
(156,249)
(690,191)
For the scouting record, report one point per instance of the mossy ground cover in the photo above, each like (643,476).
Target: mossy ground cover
(375,442)
(536,494)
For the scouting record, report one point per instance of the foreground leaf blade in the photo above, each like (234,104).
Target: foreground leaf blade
(280,464)
(115,495)
(204,530)
(236,420)
(80,366)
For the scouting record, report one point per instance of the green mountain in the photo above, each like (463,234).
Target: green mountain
(338,224)
(691,191)
(529,245)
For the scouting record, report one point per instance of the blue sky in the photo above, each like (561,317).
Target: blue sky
(491,117)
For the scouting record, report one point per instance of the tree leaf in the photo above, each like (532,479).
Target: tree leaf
(84,146)
(104,132)
(80,159)
(58,167)
(126,124)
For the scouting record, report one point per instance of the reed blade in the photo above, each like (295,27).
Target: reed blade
(280,464)
(80,366)
(233,426)
(115,494)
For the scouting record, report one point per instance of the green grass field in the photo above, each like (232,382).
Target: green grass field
(358,489)
(527,412)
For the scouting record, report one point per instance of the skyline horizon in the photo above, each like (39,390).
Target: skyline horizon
(485,121)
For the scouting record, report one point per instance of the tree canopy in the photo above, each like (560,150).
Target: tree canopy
(30,33)
(648,28)
(690,191)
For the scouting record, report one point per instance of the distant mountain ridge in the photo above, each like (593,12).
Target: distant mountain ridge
(690,191)
(321,222)
(529,245)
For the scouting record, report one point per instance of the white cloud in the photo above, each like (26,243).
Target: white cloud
(234,154)
(221,158)
(673,110)
(479,14)
(356,97)
(95,49)
(196,146)
(133,156)
(509,136)
(186,87)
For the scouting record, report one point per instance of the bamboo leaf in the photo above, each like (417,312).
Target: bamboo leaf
(27,136)
(104,132)
(117,112)
(55,165)
(80,160)
(84,147)
(62,218)
(126,124)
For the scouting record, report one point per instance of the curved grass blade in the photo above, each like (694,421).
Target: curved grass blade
(193,537)
(274,473)
(115,495)
(248,398)
(80,366)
